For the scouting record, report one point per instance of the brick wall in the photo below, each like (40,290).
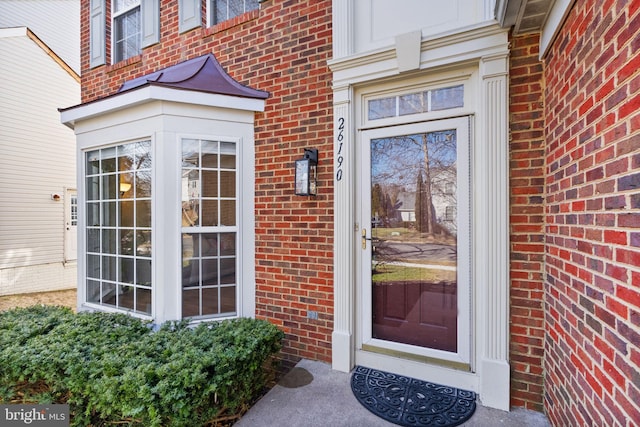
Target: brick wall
(592,98)
(283,49)
(526,121)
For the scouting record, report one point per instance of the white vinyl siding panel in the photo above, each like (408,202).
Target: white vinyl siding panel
(61,34)
(37,153)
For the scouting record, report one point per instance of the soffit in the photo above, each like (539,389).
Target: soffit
(525,16)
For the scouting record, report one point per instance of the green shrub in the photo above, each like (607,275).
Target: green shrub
(114,368)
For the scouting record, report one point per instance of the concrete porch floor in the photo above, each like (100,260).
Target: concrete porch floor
(313,394)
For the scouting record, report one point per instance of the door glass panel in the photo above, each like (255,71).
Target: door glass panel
(414,239)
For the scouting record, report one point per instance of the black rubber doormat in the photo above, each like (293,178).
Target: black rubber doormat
(409,402)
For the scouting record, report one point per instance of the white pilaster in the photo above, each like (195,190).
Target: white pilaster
(343,286)
(492,237)
(342,16)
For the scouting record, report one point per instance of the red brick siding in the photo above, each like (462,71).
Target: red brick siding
(526,125)
(592,115)
(283,48)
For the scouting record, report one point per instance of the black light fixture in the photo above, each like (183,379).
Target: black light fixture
(307,173)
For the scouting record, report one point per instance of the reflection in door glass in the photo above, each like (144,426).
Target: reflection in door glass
(414,247)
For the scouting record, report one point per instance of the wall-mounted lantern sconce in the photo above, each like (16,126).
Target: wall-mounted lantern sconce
(307,173)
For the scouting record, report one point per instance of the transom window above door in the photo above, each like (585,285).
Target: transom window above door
(423,101)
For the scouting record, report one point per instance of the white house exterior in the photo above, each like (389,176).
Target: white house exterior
(38,213)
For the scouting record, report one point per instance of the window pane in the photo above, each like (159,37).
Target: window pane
(143,300)
(93,266)
(412,104)
(126,241)
(93,240)
(126,297)
(190,246)
(109,214)
(209,183)
(93,162)
(143,272)
(209,301)
(190,153)
(143,155)
(228,271)
(108,156)
(127,272)
(126,157)
(209,154)
(93,188)
(93,291)
(93,214)
(190,273)
(209,213)
(228,212)
(209,244)
(126,213)
(109,188)
(109,294)
(228,299)
(143,213)
(227,184)
(191,303)
(125,185)
(143,243)
(381,108)
(109,241)
(210,271)
(227,244)
(449,97)
(109,271)
(143,184)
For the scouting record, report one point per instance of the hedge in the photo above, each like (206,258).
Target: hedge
(113,368)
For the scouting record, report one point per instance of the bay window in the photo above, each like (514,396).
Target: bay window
(118,227)
(209,228)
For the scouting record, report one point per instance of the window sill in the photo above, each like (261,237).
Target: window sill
(233,22)
(125,63)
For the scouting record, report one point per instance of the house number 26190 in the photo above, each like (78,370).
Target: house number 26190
(339,156)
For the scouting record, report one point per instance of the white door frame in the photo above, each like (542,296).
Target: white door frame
(486,49)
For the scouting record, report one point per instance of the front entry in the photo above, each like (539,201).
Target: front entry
(415,242)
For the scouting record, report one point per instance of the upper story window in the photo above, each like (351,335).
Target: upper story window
(126,29)
(222,10)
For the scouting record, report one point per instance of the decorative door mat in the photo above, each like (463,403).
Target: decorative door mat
(409,402)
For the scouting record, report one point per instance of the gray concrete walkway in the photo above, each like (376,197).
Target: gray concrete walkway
(313,394)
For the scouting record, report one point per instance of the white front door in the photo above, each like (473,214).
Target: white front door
(415,293)
(70,225)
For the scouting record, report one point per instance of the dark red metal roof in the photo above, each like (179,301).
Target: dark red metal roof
(203,74)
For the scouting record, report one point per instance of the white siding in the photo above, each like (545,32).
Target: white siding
(55,22)
(37,159)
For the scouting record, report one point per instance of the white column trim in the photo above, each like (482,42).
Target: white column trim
(343,208)
(492,237)
(343,36)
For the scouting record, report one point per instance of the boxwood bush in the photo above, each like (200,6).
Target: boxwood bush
(113,368)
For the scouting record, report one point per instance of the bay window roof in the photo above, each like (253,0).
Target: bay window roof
(199,81)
